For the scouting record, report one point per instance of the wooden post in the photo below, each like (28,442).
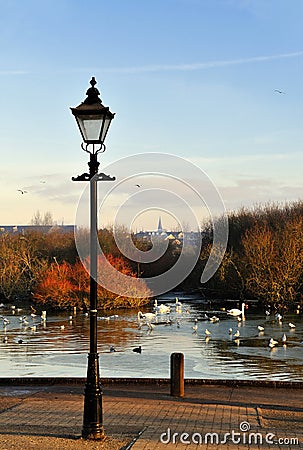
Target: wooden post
(177,374)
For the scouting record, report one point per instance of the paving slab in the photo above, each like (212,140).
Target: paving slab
(145,417)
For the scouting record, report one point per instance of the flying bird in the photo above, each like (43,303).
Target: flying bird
(22,191)
(138,185)
(279,92)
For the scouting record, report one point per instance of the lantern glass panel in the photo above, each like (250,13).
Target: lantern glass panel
(90,127)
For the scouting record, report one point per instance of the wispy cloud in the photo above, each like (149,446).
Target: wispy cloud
(242,158)
(250,192)
(202,65)
(12,72)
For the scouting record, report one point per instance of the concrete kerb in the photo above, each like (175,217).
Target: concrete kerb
(52,381)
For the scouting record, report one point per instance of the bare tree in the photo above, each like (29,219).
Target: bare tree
(275,262)
(43,220)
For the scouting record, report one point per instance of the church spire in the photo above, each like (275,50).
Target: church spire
(160,229)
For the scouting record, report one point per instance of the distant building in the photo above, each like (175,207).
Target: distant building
(176,237)
(23,229)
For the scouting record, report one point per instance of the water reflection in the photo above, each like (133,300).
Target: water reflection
(58,346)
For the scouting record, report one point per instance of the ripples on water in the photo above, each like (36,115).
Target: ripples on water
(53,351)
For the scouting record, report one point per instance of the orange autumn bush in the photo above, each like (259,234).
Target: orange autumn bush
(67,285)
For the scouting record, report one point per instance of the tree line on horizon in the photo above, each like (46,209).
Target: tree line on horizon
(264,261)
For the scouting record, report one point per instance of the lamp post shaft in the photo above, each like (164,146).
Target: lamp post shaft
(92,418)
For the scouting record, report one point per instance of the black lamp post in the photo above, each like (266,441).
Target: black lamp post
(93,120)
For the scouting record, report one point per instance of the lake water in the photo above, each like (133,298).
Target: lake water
(51,351)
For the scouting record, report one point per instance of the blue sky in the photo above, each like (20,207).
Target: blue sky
(194,78)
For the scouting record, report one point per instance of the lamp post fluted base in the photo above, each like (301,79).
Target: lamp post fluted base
(92,418)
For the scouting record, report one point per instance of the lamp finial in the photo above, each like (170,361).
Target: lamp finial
(92,93)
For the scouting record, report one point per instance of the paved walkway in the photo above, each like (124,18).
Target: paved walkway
(146,417)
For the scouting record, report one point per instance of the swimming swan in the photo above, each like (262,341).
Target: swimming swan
(237,312)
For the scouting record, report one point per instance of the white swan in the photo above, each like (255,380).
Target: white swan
(237,312)
(162,309)
(178,304)
(147,316)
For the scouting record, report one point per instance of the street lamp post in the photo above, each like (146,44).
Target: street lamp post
(93,120)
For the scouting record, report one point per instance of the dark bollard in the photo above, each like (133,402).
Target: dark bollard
(177,374)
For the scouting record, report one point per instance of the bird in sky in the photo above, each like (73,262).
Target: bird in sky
(279,92)
(22,191)
(138,185)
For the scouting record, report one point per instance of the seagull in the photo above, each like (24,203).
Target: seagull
(272,343)
(237,334)
(291,325)
(22,191)
(214,319)
(207,332)
(284,338)
(260,328)
(278,317)
(279,92)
